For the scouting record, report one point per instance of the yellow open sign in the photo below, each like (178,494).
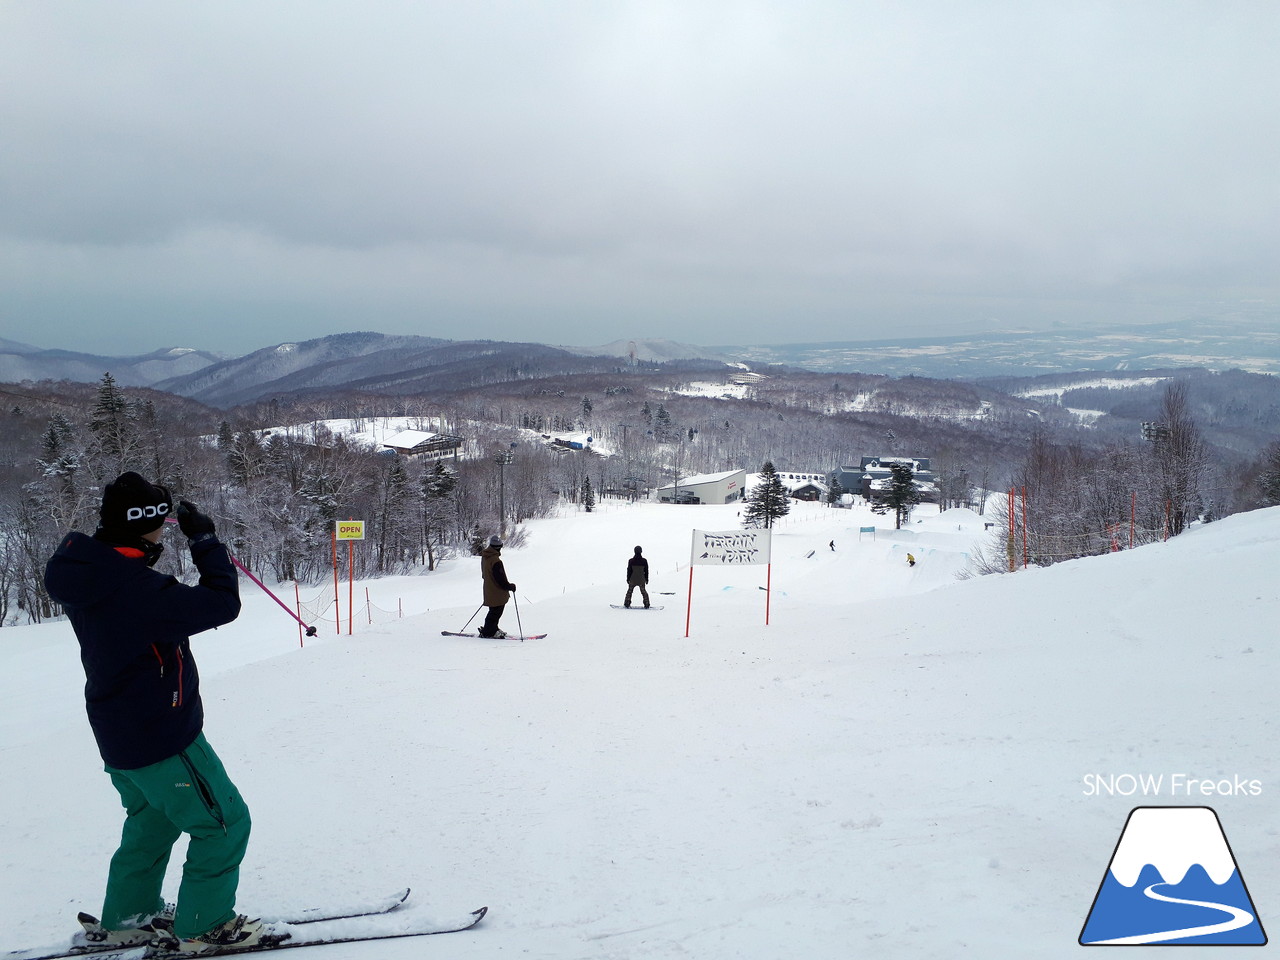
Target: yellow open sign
(350,529)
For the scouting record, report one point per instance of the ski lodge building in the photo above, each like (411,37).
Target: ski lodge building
(874,473)
(804,486)
(707,488)
(417,443)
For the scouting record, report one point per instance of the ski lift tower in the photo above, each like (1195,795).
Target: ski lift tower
(502,458)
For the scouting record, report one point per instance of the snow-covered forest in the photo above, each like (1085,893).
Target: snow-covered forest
(277,473)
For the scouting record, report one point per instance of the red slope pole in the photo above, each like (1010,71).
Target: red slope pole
(768,590)
(688,612)
(1024,528)
(337,604)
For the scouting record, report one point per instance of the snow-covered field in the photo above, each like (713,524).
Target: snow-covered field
(1101,383)
(894,767)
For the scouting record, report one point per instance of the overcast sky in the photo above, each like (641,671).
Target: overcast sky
(229,175)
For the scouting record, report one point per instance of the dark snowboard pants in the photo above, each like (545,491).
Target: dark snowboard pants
(631,589)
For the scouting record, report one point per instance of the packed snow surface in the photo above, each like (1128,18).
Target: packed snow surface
(898,765)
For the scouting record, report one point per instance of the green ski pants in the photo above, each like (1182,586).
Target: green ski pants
(188,793)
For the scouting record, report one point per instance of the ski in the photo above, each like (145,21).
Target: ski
(347,930)
(619,606)
(531,636)
(320,914)
(303,917)
(316,932)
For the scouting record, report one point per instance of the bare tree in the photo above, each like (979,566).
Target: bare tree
(1181,458)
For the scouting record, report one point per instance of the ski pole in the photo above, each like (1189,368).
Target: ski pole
(311,631)
(470,618)
(519,625)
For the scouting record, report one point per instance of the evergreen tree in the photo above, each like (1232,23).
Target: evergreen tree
(394,526)
(155,445)
(662,426)
(245,457)
(226,436)
(114,430)
(901,496)
(588,495)
(439,510)
(768,501)
(57,491)
(320,491)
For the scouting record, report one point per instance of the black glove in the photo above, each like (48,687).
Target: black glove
(511,587)
(192,522)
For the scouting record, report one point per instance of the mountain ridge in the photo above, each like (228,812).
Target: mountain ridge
(380,362)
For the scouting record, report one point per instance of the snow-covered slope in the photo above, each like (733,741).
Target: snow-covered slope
(893,767)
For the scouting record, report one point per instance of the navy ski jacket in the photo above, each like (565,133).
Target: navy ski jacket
(142,689)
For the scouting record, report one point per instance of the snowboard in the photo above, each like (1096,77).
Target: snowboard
(618,606)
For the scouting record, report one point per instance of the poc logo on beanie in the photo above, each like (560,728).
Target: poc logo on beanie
(132,507)
(140,513)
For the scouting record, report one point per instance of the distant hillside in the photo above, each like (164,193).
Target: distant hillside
(657,351)
(1236,410)
(278,368)
(19,361)
(377,363)
(404,363)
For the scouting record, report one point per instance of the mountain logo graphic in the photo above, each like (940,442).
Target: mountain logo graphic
(1172,880)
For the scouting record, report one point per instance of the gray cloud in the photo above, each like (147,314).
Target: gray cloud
(572,171)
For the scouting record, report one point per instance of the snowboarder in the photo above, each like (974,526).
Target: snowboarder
(497,588)
(832,545)
(911,560)
(142,696)
(637,576)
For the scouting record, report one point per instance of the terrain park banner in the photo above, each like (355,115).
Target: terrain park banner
(731,548)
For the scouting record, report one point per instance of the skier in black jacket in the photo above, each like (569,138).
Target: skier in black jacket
(637,576)
(142,695)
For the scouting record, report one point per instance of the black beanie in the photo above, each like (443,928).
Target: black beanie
(131,507)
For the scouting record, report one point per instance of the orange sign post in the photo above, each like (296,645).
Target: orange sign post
(350,531)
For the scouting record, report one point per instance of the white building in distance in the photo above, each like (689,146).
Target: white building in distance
(706,488)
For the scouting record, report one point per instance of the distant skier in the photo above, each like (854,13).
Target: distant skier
(832,545)
(497,588)
(911,561)
(637,576)
(142,695)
